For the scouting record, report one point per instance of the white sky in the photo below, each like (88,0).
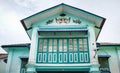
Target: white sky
(12,11)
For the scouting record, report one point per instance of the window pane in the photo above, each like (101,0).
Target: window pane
(55,45)
(85,45)
(75,45)
(80,45)
(85,41)
(60,45)
(45,45)
(50,45)
(65,45)
(40,49)
(70,45)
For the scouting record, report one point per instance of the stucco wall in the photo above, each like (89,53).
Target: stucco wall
(2,66)
(114,60)
(14,62)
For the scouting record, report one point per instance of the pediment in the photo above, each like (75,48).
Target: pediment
(62,19)
(63,15)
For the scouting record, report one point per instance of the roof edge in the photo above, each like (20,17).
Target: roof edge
(109,44)
(102,24)
(22,21)
(16,45)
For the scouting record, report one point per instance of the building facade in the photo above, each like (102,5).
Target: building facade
(63,38)
(3,62)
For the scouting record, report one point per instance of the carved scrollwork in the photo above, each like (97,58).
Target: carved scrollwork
(62,20)
(49,21)
(77,21)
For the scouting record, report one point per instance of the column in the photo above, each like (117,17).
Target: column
(33,50)
(93,51)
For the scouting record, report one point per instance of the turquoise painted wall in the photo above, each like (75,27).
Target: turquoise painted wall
(14,62)
(114,60)
(42,23)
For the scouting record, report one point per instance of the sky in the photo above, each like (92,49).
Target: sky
(12,11)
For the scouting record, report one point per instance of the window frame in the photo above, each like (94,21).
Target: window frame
(67,41)
(106,57)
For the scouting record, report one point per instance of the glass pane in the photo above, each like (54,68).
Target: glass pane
(80,45)
(41,46)
(70,45)
(65,45)
(50,45)
(75,45)
(60,45)
(45,45)
(55,45)
(85,47)
(85,41)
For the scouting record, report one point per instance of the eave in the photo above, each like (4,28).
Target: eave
(97,20)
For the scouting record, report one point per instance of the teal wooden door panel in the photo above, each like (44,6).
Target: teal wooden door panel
(63,50)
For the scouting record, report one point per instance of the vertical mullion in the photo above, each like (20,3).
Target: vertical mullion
(73,49)
(47,52)
(67,50)
(68,44)
(73,44)
(88,49)
(83,49)
(78,50)
(57,50)
(62,50)
(52,49)
(42,49)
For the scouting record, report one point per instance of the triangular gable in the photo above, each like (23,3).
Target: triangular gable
(63,8)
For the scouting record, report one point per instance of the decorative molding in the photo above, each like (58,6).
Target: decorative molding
(77,21)
(49,21)
(62,20)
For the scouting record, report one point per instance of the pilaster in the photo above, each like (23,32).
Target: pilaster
(93,51)
(33,50)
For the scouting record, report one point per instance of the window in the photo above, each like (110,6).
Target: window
(85,45)
(75,45)
(63,50)
(70,45)
(104,65)
(50,45)
(5,60)
(41,46)
(80,45)
(65,45)
(60,45)
(44,45)
(55,45)
(23,65)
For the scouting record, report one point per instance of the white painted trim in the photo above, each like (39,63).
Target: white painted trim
(54,57)
(60,61)
(86,55)
(71,55)
(44,57)
(67,65)
(76,54)
(50,57)
(39,57)
(81,57)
